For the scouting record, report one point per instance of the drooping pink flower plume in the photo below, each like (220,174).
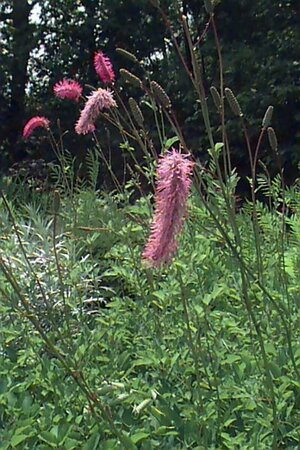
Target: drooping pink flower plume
(173,187)
(68,89)
(104,68)
(33,123)
(98,101)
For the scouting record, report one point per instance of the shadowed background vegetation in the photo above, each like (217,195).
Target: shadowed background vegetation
(42,42)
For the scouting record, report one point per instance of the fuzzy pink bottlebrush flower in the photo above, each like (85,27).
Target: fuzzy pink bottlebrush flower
(173,187)
(68,89)
(33,123)
(98,101)
(104,68)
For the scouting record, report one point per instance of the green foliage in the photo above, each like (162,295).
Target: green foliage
(126,331)
(97,349)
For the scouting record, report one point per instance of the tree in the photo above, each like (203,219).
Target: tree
(18,33)
(259,42)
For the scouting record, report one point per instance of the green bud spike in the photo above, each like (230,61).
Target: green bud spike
(136,112)
(130,78)
(160,95)
(267,117)
(127,54)
(233,103)
(216,97)
(56,201)
(272,139)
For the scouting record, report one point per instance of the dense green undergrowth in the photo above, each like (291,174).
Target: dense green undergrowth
(111,339)
(167,382)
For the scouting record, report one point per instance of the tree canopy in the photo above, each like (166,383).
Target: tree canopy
(43,42)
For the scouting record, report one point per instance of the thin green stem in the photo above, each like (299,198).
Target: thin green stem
(192,346)
(222,112)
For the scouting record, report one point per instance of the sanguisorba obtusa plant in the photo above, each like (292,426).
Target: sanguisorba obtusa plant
(215,186)
(172,191)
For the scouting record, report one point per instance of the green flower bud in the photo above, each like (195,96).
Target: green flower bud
(216,97)
(233,102)
(272,139)
(160,95)
(136,112)
(127,54)
(130,78)
(267,117)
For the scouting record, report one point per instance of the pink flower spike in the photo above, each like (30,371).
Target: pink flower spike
(33,123)
(98,101)
(104,68)
(68,89)
(172,191)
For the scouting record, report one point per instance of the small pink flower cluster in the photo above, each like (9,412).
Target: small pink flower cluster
(173,173)
(98,101)
(173,187)
(104,68)
(70,89)
(33,123)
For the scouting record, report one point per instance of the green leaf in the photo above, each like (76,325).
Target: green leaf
(63,432)
(144,362)
(140,436)
(232,359)
(219,146)
(71,444)
(127,442)
(17,439)
(275,369)
(92,443)
(26,404)
(109,444)
(228,422)
(11,398)
(250,405)
(49,438)
(165,431)
(169,142)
